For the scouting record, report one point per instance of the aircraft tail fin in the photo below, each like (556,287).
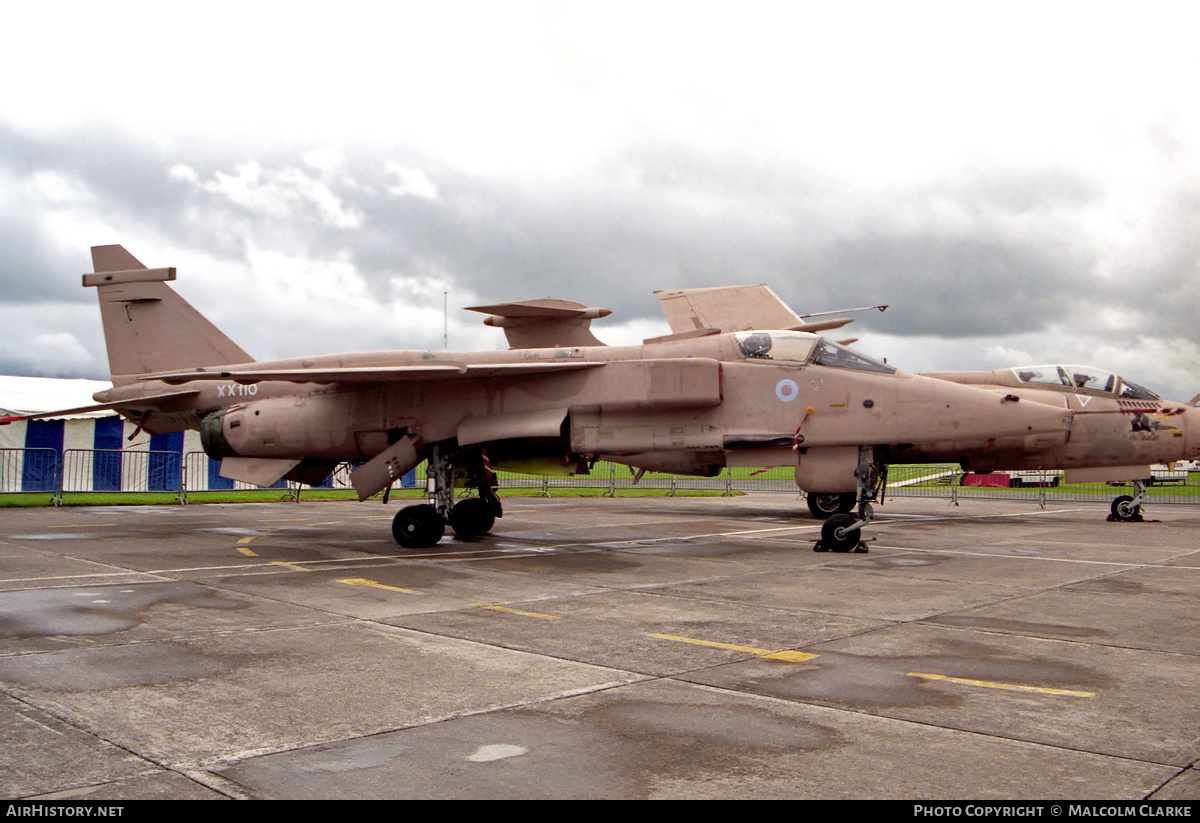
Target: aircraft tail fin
(147,326)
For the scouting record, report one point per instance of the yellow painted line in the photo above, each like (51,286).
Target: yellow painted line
(788,656)
(247,551)
(291,566)
(988,684)
(362,581)
(517,611)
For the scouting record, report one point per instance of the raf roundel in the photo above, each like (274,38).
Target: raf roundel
(787,390)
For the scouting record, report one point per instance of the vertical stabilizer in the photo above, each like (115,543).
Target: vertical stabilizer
(147,326)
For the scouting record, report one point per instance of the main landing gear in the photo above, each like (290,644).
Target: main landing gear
(841,531)
(422,526)
(1126,509)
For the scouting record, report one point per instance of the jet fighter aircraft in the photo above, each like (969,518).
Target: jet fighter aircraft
(1120,431)
(1119,428)
(692,402)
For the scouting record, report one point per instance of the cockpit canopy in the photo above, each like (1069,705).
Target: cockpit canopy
(800,347)
(1083,377)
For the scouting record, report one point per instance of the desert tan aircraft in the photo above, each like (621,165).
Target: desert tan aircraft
(692,402)
(1120,429)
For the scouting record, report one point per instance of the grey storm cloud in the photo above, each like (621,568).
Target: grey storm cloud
(984,253)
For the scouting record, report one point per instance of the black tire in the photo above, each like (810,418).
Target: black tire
(826,504)
(1123,511)
(834,536)
(418,527)
(472,517)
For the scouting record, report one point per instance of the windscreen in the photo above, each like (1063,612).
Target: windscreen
(838,356)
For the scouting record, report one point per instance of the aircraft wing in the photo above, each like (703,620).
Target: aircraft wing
(149,401)
(739,308)
(374,374)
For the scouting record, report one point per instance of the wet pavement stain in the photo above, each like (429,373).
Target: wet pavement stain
(562,759)
(1017,626)
(590,561)
(719,737)
(114,667)
(891,562)
(884,682)
(703,548)
(1111,585)
(422,577)
(97,610)
(619,750)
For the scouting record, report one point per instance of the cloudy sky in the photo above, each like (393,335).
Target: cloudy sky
(1019,181)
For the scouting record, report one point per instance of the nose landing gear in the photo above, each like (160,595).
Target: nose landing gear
(842,532)
(1126,509)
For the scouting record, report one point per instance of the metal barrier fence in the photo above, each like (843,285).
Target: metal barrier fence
(89,470)
(938,481)
(121,470)
(30,470)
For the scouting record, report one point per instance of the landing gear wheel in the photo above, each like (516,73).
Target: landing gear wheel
(836,535)
(418,527)
(1124,510)
(472,517)
(826,504)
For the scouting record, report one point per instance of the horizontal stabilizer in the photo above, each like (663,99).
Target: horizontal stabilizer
(149,401)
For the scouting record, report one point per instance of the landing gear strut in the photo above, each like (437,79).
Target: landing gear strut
(841,531)
(1126,509)
(422,526)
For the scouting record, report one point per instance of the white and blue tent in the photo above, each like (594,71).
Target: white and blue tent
(96,451)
